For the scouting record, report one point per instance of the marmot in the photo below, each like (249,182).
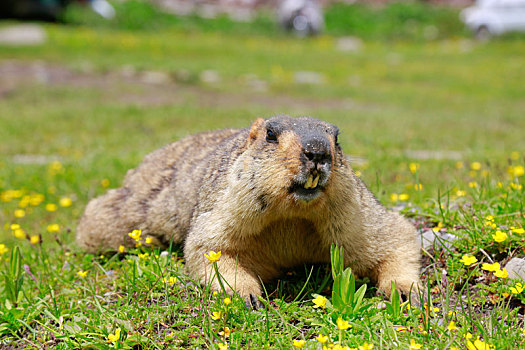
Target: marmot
(269,197)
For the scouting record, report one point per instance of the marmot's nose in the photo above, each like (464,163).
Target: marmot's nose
(317,150)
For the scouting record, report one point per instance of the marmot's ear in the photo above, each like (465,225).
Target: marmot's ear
(256,128)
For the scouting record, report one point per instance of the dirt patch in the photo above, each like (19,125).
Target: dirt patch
(151,88)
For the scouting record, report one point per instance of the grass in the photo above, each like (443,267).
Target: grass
(445,114)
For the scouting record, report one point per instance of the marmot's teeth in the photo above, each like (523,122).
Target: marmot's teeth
(316,180)
(308,183)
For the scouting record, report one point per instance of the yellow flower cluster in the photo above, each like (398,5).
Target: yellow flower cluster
(3,249)
(171,280)
(489,221)
(394,197)
(496,268)
(18,232)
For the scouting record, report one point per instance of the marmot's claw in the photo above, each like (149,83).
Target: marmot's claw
(253,303)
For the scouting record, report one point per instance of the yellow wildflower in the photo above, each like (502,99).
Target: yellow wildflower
(518,230)
(215,293)
(171,280)
(452,326)
(114,337)
(51,207)
(472,184)
(404,197)
(148,240)
(3,249)
(53,228)
(479,345)
(357,173)
(55,167)
(414,167)
(36,199)
(414,345)
(65,202)
(501,273)
(222,346)
(24,202)
(144,256)
(342,324)
(322,338)
(461,193)
(516,171)
(366,346)
(516,186)
(468,260)
(82,274)
(499,184)
(490,267)
(438,227)
(227,301)
(213,256)
(14,226)
(20,213)
(298,343)
(135,234)
(418,187)
(121,249)
(475,165)
(19,233)
(394,197)
(517,289)
(499,236)
(225,332)
(104,183)
(35,239)
(169,336)
(459,165)
(320,301)
(216,315)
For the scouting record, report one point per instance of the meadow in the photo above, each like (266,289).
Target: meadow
(434,126)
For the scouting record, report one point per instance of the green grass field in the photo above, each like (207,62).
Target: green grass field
(435,128)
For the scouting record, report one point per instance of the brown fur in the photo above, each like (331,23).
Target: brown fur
(231,191)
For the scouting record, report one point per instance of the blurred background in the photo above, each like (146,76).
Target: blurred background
(98,84)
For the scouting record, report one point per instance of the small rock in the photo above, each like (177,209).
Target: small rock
(430,239)
(22,35)
(516,268)
(210,76)
(349,44)
(305,77)
(153,77)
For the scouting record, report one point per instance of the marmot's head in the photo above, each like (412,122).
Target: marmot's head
(295,156)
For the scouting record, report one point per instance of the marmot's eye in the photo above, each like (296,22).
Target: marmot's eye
(270,136)
(336,139)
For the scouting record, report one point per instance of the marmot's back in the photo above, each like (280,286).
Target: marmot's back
(173,174)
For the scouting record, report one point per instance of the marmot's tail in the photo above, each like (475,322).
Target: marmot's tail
(104,226)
